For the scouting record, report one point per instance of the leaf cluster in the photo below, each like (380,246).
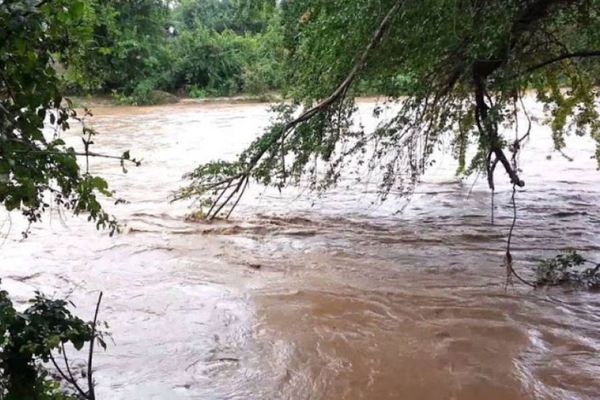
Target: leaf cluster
(29,337)
(567,269)
(38,170)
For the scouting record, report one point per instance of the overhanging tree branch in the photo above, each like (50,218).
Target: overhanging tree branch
(238,182)
(578,54)
(483,69)
(343,87)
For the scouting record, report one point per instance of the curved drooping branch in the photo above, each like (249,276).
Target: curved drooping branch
(488,129)
(67,373)
(483,69)
(561,57)
(235,184)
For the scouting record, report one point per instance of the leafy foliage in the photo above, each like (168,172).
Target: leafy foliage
(567,269)
(125,45)
(223,48)
(29,337)
(37,168)
(209,60)
(239,16)
(453,71)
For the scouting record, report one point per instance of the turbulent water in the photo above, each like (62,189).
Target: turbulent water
(336,297)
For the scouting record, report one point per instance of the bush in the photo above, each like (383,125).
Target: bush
(264,70)
(567,269)
(209,63)
(145,94)
(208,60)
(142,93)
(27,339)
(196,92)
(125,44)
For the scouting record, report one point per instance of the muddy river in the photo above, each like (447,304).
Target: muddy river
(331,297)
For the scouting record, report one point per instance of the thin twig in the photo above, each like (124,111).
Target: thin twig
(529,123)
(238,199)
(218,198)
(237,188)
(91,392)
(73,380)
(66,378)
(510,271)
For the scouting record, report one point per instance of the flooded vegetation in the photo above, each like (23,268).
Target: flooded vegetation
(300,296)
(414,217)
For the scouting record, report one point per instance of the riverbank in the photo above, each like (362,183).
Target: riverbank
(102,101)
(96,102)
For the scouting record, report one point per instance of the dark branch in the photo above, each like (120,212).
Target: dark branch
(578,54)
(73,380)
(41,3)
(508,260)
(67,378)
(91,392)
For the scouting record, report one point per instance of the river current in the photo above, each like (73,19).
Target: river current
(329,297)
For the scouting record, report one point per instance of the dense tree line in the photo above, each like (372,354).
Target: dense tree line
(188,47)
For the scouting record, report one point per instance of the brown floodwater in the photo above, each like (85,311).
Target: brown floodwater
(336,296)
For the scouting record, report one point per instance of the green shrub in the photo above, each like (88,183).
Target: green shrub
(567,269)
(126,43)
(196,92)
(28,339)
(142,93)
(209,63)
(264,70)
